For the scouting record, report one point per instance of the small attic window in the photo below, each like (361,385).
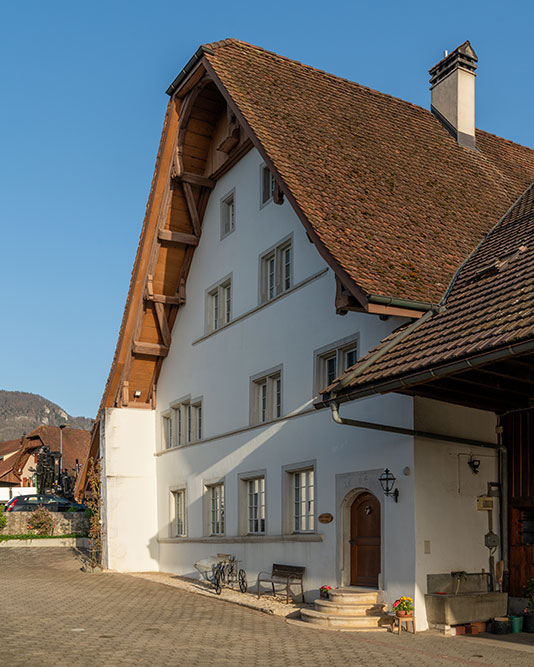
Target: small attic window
(267,185)
(228,214)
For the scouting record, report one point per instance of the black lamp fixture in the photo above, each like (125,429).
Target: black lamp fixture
(474,464)
(387,479)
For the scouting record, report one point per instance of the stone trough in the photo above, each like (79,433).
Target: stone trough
(460,598)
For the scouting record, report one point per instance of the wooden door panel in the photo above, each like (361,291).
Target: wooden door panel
(365,553)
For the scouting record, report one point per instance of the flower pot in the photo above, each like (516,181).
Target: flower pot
(324,594)
(402,613)
(528,623)
(516,623)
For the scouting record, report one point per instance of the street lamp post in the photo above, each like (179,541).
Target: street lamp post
(61,427)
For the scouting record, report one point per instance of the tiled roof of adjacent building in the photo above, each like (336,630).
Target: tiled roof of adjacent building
(9,446)
(489,308)
(75,442)
(75,448)
(389,193)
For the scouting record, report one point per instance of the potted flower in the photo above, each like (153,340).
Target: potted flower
(403,606)
(528,612)
(323,591)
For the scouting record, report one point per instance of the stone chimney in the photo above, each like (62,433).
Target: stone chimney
(452,82)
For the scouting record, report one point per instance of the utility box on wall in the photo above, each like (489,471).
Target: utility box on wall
(485,503)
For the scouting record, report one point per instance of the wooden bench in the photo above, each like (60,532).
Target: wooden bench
(282,575)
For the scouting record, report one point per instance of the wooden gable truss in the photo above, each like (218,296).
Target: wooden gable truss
(204,135)
(191,159)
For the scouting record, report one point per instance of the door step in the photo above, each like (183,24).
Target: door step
(349,609)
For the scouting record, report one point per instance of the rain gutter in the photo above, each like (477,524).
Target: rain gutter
(195,58)
(401,303)
(360,368)
(425,376)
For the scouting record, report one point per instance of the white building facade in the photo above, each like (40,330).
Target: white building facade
(295,220)
(236,459)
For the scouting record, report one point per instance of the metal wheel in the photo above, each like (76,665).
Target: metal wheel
(217,584)
(242,578)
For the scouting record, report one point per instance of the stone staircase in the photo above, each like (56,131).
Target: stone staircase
(350,608)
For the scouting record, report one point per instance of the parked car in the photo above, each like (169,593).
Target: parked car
(51,502)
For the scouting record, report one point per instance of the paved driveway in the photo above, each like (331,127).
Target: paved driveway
(54,614)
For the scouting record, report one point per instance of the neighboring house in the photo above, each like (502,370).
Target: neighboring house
(283,198)
(477,351)
(8,451)
(18,469)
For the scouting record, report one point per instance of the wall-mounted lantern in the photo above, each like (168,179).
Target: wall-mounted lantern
(387,479)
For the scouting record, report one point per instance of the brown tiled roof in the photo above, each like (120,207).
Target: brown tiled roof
(9,446)
(394,200)
(75,447)
(490,307)
(75,442)
(6,471)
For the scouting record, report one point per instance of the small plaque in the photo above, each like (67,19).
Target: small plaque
(325,518)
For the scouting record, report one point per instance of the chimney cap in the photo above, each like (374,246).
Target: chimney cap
(463,57)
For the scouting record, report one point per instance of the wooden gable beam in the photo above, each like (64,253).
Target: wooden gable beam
(177,238)
(192,208)
(149,349)
(163,323)
(195,179)
(163,298)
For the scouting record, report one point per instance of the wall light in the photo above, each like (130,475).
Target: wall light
(387,479)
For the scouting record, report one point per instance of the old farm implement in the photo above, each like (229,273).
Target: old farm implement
(222,571)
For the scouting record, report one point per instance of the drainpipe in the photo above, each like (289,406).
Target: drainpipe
(503,480)
(334,407)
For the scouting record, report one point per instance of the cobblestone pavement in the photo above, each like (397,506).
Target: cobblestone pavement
(54,614)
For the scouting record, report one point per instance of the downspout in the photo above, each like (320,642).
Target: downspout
(503,480)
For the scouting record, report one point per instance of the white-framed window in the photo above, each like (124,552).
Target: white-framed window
(256,505)
(276,271)
(334,360)
(216,509)
(168,428)
(304,501)
(267,185)
(179,515)
(186,422)
(266,396)
(219,305)
(228,214)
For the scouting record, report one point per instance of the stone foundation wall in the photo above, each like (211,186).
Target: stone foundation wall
(64,523)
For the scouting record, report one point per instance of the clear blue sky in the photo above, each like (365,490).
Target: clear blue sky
(83,97)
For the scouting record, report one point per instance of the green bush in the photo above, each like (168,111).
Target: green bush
(3,517)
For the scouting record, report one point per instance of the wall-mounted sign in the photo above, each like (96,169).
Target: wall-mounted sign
(325,518)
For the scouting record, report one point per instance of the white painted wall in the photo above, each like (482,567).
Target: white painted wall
(218,368)
(446,515)
(129,489)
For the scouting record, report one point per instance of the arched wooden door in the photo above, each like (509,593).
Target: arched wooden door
(365,552)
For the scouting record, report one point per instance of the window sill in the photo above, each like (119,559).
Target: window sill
(244,539)
(239,318)
(237,431)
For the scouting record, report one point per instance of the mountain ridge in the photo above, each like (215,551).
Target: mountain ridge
(21,412)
